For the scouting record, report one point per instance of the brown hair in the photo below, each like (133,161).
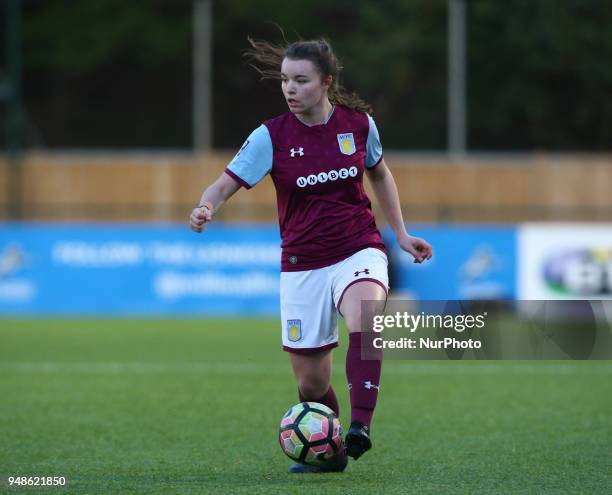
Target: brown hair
(266,58)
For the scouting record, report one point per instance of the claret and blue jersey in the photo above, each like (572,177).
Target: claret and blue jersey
(324,213)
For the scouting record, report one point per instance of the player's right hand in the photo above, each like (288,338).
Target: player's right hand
(199,217)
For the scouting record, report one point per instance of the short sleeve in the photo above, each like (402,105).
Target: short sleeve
(374,152)
(254,160)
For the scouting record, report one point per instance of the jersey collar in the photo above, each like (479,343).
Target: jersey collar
(329,116)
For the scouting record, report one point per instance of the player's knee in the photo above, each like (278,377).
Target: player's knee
(361,321)
(313,387)
(353,325)
(360,317)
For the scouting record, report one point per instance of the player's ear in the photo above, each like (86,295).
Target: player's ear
(327,82)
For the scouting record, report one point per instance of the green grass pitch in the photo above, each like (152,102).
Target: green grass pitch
(193,406)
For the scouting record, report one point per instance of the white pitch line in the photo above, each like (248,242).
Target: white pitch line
(142,368)
(414,368)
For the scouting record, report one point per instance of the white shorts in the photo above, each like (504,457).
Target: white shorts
(310,299)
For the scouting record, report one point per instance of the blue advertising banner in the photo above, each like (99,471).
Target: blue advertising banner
(469,262)
(138,270)
(126,269)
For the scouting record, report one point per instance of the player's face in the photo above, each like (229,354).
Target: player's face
(303,86)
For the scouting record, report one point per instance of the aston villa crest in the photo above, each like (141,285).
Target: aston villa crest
(294,330)
(346,143)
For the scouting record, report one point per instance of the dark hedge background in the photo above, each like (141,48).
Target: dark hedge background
(111,73)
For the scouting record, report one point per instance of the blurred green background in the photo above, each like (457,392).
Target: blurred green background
(539,71)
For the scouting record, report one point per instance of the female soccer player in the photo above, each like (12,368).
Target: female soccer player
(333,257)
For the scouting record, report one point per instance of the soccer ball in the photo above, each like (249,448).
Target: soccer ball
(310,433)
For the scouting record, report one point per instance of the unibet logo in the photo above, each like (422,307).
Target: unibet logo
(323,177)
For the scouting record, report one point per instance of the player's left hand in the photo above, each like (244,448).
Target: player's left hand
(417,247)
